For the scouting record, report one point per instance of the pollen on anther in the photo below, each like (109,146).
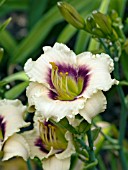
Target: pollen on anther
(54,66)
(61,74)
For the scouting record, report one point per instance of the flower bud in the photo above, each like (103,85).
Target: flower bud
(90,24)
(1,53)
(98,32)
(103,21)
(71,15)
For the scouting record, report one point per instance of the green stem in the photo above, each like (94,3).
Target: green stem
(29,164)
(123,83)
(123,120)
(91,151)
(123,115)
(108,138)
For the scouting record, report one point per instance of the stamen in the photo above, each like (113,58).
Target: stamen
(50,132)
(50,137)
(54,66)
(66,87)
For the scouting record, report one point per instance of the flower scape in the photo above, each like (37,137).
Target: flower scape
(63,85)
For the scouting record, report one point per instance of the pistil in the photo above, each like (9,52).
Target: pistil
(66,87)
(52,137)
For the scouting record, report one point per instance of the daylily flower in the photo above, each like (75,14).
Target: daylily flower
(66,84)
(11,120)
(52,145)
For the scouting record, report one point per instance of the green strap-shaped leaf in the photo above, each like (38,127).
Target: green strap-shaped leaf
(4,25)
(36,36)
(12,5)
(16,76)
(81,41)
(35,11)
(14,92)
(1,54)
(40,31)
(7,41)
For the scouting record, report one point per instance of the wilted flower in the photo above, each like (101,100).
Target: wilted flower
(11,120)
(65,84)
(52,145)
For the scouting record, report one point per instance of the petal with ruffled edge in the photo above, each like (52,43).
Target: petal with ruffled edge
(33,139)
(16,145)
(38,71)
(53,163)
(38,96)
(69,150)
(100,66)
(94,105)
(38,149)
(12,113)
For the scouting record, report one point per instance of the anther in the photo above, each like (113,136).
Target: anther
(54,66)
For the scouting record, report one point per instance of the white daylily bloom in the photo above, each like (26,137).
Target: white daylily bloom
(52,145)
(16,145)
(11,120)
(65,84)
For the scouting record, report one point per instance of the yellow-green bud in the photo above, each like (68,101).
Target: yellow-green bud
(90,24)
(1,53)
(98,32)
(71,15)
(103,21)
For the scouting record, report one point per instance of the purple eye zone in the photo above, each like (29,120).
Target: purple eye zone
(40,144)
(2,126)
(83,72)
(74,73)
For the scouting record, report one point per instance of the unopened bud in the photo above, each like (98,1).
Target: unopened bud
(1,54)
(90,24)
(71,15)
(103,21)
(98,32)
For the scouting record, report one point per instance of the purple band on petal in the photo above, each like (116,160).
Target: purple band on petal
(49,79)
(2,126)
(40,144)
(83,72)
(52,95)
(62,68)
(68,68)
(46,123)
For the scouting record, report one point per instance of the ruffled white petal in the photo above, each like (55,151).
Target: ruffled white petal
(60,53)
(69,150)
(53,163)
(35,151)
(94,105)
(38,71)
(12,112)
(31,137)
(100,67)
(16,145)
(50,108)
